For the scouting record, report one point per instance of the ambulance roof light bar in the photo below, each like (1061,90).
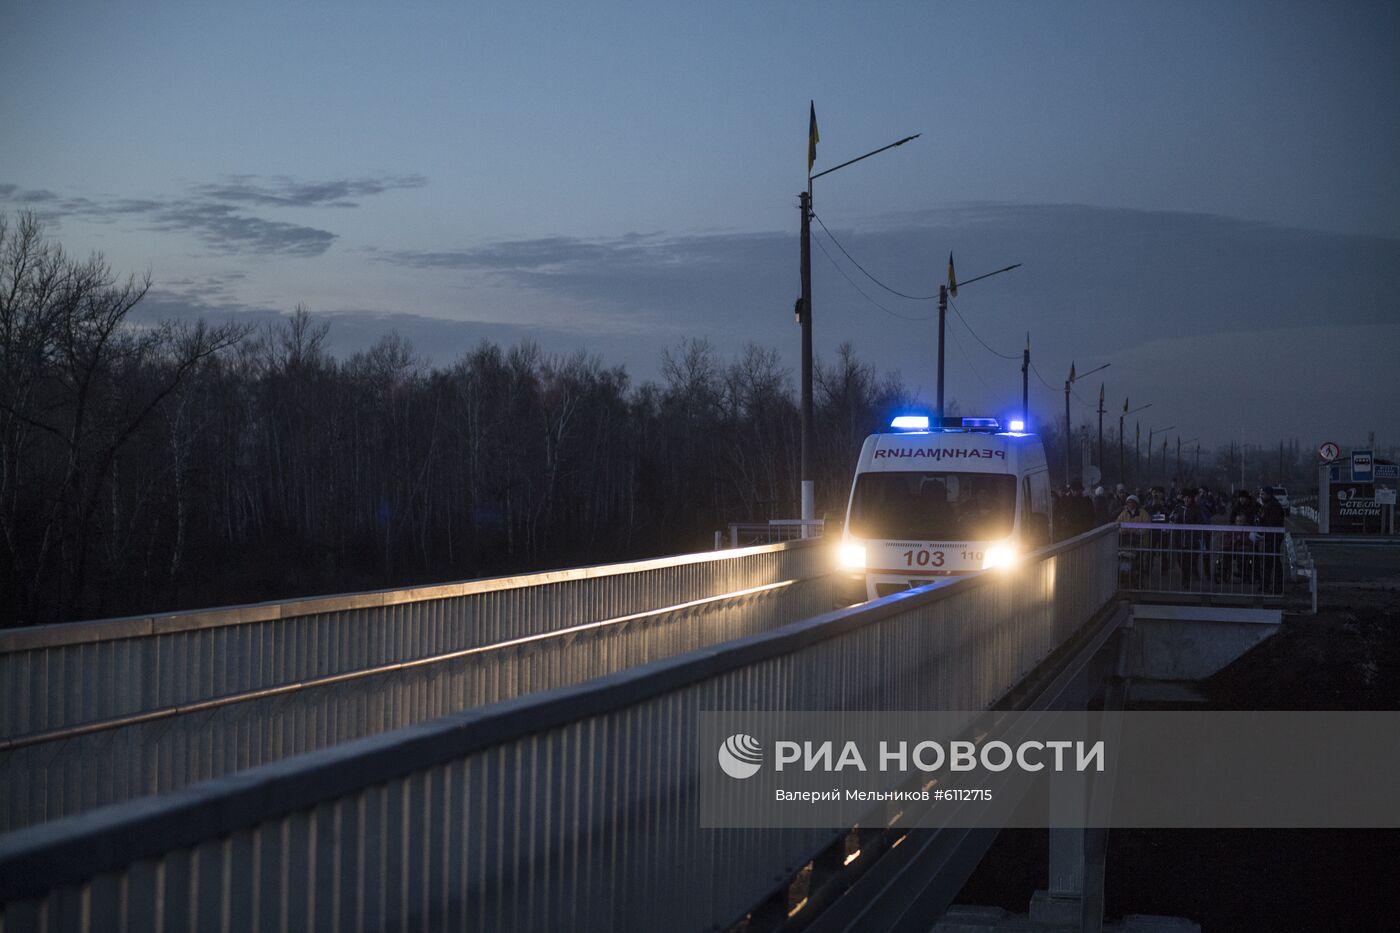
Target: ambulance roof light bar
(923,423)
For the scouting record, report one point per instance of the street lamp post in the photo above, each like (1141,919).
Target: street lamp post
(1137,453)
(1069,429)
(1150,433)
(1179,442)
(952,288)
(805,315)
(1101,431)
(1122,472)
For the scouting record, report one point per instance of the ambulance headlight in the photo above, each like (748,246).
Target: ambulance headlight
(999,555)
(852,556)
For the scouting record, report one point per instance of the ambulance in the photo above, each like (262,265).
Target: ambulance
(933,501)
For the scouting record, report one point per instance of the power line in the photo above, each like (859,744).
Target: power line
(867,274)
(1042,379)
(968,361)
(979,339)
(832,259)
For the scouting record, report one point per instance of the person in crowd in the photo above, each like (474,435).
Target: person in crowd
(1079,508)
(1131,560)
(1187,544)
(1102,504)
(1120,499)
(1208,500)
(1245,505)
(1271,515)
(1156,505)
(1237,559)
(1132,510)
(1210,506)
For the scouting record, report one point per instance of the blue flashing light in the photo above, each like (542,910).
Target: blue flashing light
(1017,427)
(980,423)
(910,422)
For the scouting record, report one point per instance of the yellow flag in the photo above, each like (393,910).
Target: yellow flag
(813,137)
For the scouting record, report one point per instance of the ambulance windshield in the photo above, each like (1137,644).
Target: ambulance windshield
(928,506)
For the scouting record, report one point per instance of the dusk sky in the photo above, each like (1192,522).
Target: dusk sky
(1206,195)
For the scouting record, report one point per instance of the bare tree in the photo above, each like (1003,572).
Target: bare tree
(79,384)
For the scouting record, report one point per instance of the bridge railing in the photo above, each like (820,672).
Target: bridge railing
(61,675)
(1233,561)
(575,807)
(554,640)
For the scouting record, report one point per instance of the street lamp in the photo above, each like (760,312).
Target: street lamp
(1150,432)
(805,313)
(953,286)
(1179,442)
(1122,474)
(1069,430)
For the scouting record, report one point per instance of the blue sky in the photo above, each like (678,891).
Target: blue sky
(1203,194)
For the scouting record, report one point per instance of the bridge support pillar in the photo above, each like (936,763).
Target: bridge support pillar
(1075,892)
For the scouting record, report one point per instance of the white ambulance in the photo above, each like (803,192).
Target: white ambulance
(932,502)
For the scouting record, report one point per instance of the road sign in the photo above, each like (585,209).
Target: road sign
(1334,473)
(1385,497)
(1362,466)
(1387,471)
(1329,451)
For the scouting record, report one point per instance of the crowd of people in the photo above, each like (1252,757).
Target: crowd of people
(1251,554)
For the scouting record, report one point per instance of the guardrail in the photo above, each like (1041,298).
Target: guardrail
(570,808)
(1242,561)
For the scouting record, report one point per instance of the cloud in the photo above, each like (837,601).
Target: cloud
(220,226)
(282,191)
(216,213)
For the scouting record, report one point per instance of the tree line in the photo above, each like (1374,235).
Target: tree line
(151,468)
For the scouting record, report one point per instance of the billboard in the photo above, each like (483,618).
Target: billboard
(1354,508)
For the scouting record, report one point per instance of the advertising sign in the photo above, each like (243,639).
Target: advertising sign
(1354,509)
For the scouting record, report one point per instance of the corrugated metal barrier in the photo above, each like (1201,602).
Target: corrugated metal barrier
(573,808)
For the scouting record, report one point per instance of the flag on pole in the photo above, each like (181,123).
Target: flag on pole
(813,137)
(1125,405)
(953,285)
(1100,395)
(1071,372)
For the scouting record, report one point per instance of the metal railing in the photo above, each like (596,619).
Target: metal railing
(1216,561)
(574,808)
(770,532)
(54,773)
(61,675)
(1304,506)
